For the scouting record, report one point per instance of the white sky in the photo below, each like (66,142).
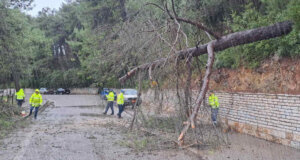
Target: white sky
(38,5)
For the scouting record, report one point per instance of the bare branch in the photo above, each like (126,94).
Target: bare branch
(156,5)
(208,35)
(175,41)
(164,40)
(173,7)
(186,39)
(199,25)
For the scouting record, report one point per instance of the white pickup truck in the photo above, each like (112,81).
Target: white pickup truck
(130,97)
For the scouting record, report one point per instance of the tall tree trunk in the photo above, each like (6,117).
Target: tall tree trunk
(16,78)
(123,10)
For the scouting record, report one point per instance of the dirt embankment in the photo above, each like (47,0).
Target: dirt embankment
(273,76)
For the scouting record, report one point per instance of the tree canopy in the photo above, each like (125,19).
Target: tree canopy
(95,42)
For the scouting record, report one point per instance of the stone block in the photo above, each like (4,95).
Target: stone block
(285,142)
(238,127)
(277,134)
(263,130)
(271,138)
(296,137)
(295,144)
(261,135)
(271,96)
(289,135)
(248,127)
(250,132)
(276,139)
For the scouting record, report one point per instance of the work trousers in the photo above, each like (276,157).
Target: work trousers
(36,110)
(214,114)
(110,104)
(121,109)
(20,102)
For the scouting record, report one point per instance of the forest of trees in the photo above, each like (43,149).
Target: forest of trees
(95,42)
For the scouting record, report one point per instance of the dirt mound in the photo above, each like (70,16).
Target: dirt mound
(273,76)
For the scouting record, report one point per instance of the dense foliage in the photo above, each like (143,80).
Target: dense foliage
(94,42)
(252,55)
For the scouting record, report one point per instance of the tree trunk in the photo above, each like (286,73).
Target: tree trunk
(16,77)
(230,40)
(210,62)
(123,10)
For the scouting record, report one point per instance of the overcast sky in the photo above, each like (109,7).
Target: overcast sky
(40,4)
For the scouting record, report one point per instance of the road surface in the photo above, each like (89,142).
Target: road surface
(74,129)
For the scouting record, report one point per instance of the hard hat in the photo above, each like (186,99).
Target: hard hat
(37,90)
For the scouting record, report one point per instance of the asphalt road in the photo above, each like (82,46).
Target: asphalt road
(74,129)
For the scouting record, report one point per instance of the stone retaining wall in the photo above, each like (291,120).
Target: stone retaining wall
(273,117)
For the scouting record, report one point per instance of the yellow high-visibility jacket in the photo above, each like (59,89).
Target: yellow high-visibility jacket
(110,97)
(20,95)
(120,98)
(213,101)
(36,100)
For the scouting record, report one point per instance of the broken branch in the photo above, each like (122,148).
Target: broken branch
(191,122)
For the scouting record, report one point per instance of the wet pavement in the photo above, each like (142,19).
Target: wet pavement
(74,129)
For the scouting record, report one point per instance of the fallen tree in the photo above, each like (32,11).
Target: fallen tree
(228,41)
(231,40)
